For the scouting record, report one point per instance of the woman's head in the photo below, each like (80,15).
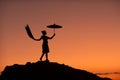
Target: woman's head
(44,32)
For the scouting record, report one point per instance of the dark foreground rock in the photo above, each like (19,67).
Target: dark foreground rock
(46,71)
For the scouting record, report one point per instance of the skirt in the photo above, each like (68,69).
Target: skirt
(45,48)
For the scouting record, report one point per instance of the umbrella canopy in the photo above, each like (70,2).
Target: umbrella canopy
(54,26)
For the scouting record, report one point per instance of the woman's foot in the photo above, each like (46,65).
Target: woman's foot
(47,60)
(40,59)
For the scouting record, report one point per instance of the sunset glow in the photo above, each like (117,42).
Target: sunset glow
(89,39)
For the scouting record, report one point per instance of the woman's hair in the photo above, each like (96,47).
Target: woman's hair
(43,32)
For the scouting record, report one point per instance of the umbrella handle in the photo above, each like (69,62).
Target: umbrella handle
(54,30)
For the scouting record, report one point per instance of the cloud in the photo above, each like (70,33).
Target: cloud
(108,73)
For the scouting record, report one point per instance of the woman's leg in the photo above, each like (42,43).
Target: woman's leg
(46,56)
(41,56)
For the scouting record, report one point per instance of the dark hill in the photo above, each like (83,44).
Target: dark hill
(46,71)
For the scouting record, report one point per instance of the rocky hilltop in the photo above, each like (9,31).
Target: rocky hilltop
(43,70)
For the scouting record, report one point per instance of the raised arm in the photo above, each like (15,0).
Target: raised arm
(52,36)
(37,39)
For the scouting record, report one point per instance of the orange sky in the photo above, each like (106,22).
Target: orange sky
(89,39)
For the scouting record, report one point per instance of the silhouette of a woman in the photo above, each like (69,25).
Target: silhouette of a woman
(45,47)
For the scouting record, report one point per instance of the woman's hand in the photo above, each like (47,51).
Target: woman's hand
(54,34)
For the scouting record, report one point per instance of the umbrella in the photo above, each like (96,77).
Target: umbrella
(54,26)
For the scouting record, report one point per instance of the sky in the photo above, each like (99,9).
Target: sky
(89,39)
